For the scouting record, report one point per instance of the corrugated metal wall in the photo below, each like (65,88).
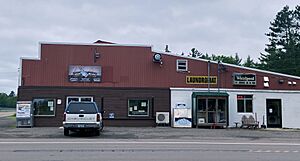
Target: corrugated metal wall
(128,66)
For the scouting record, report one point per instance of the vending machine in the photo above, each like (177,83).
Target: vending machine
(24,114)
(182,115)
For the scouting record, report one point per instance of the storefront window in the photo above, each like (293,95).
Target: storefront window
(244,103)
(44,107)
(138,107)
(201,104)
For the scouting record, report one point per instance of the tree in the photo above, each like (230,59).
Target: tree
(195,53)
(236,60)
(7,101)
(225,59)
(12,94)
(283,51)
(249,62)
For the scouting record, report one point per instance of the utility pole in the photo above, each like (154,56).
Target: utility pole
(208,76)
(218,78)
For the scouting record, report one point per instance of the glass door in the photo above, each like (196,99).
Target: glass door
(211,116)
(221,111)
(211,110)
(274,115)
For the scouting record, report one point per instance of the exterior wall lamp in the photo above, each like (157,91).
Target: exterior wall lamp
(96,56)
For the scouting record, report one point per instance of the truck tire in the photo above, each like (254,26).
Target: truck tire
(97,132)
(101,126)
(66,132)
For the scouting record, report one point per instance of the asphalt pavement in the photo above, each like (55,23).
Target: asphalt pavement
(144,149)
(8,130)
(147,143)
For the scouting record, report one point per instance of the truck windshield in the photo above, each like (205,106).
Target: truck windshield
(85,108)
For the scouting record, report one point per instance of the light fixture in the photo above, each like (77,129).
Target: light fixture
(266,79)
(96,55)
(266,82)
(58,101)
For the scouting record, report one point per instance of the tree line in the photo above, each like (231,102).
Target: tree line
(8,100)
(282,53)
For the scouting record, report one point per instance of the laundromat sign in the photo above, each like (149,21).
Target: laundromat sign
(201,80)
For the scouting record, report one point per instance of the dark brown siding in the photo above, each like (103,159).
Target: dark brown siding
(114,100)
(129,66)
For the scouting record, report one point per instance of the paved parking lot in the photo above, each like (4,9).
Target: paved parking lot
(8,130)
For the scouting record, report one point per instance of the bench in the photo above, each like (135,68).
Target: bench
(249,122)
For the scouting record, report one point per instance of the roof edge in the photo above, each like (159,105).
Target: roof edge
(230,65)
(92,44)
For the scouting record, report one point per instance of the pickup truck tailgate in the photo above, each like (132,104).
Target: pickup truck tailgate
(81,118)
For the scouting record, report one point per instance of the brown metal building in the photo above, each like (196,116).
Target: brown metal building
(131,86)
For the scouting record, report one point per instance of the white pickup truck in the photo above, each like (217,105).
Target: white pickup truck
(82,116)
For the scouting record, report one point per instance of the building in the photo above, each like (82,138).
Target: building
(132,83)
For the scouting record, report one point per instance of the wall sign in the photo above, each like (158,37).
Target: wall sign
(248,79)
(201,80)
(111,115)
(79,73)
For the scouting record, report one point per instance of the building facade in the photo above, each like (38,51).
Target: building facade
(132,83)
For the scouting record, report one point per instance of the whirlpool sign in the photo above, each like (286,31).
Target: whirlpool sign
(84,73)
(244,79)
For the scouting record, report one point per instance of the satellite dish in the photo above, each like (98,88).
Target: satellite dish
(157,57)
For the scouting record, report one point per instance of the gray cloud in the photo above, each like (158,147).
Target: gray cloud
(215,26)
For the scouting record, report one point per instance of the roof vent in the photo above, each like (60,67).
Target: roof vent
(167,49)
(103,42)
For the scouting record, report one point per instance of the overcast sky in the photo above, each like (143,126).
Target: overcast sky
(211,26)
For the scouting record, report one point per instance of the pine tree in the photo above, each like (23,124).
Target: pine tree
(249,62)
(282,52)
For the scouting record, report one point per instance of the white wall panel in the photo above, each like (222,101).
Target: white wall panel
(290,103)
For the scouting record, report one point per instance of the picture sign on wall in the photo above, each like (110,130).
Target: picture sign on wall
(79,73)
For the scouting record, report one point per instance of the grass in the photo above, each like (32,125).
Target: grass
(13,117)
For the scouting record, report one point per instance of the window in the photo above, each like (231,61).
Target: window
(44,107)
(79,99)
(181,65)
(84,108)
(138,107)
(244,103)
(201,104)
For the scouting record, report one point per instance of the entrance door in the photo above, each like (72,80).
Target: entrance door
(211,110)
(274,116)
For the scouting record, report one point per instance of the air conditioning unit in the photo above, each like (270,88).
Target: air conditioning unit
(162,118)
